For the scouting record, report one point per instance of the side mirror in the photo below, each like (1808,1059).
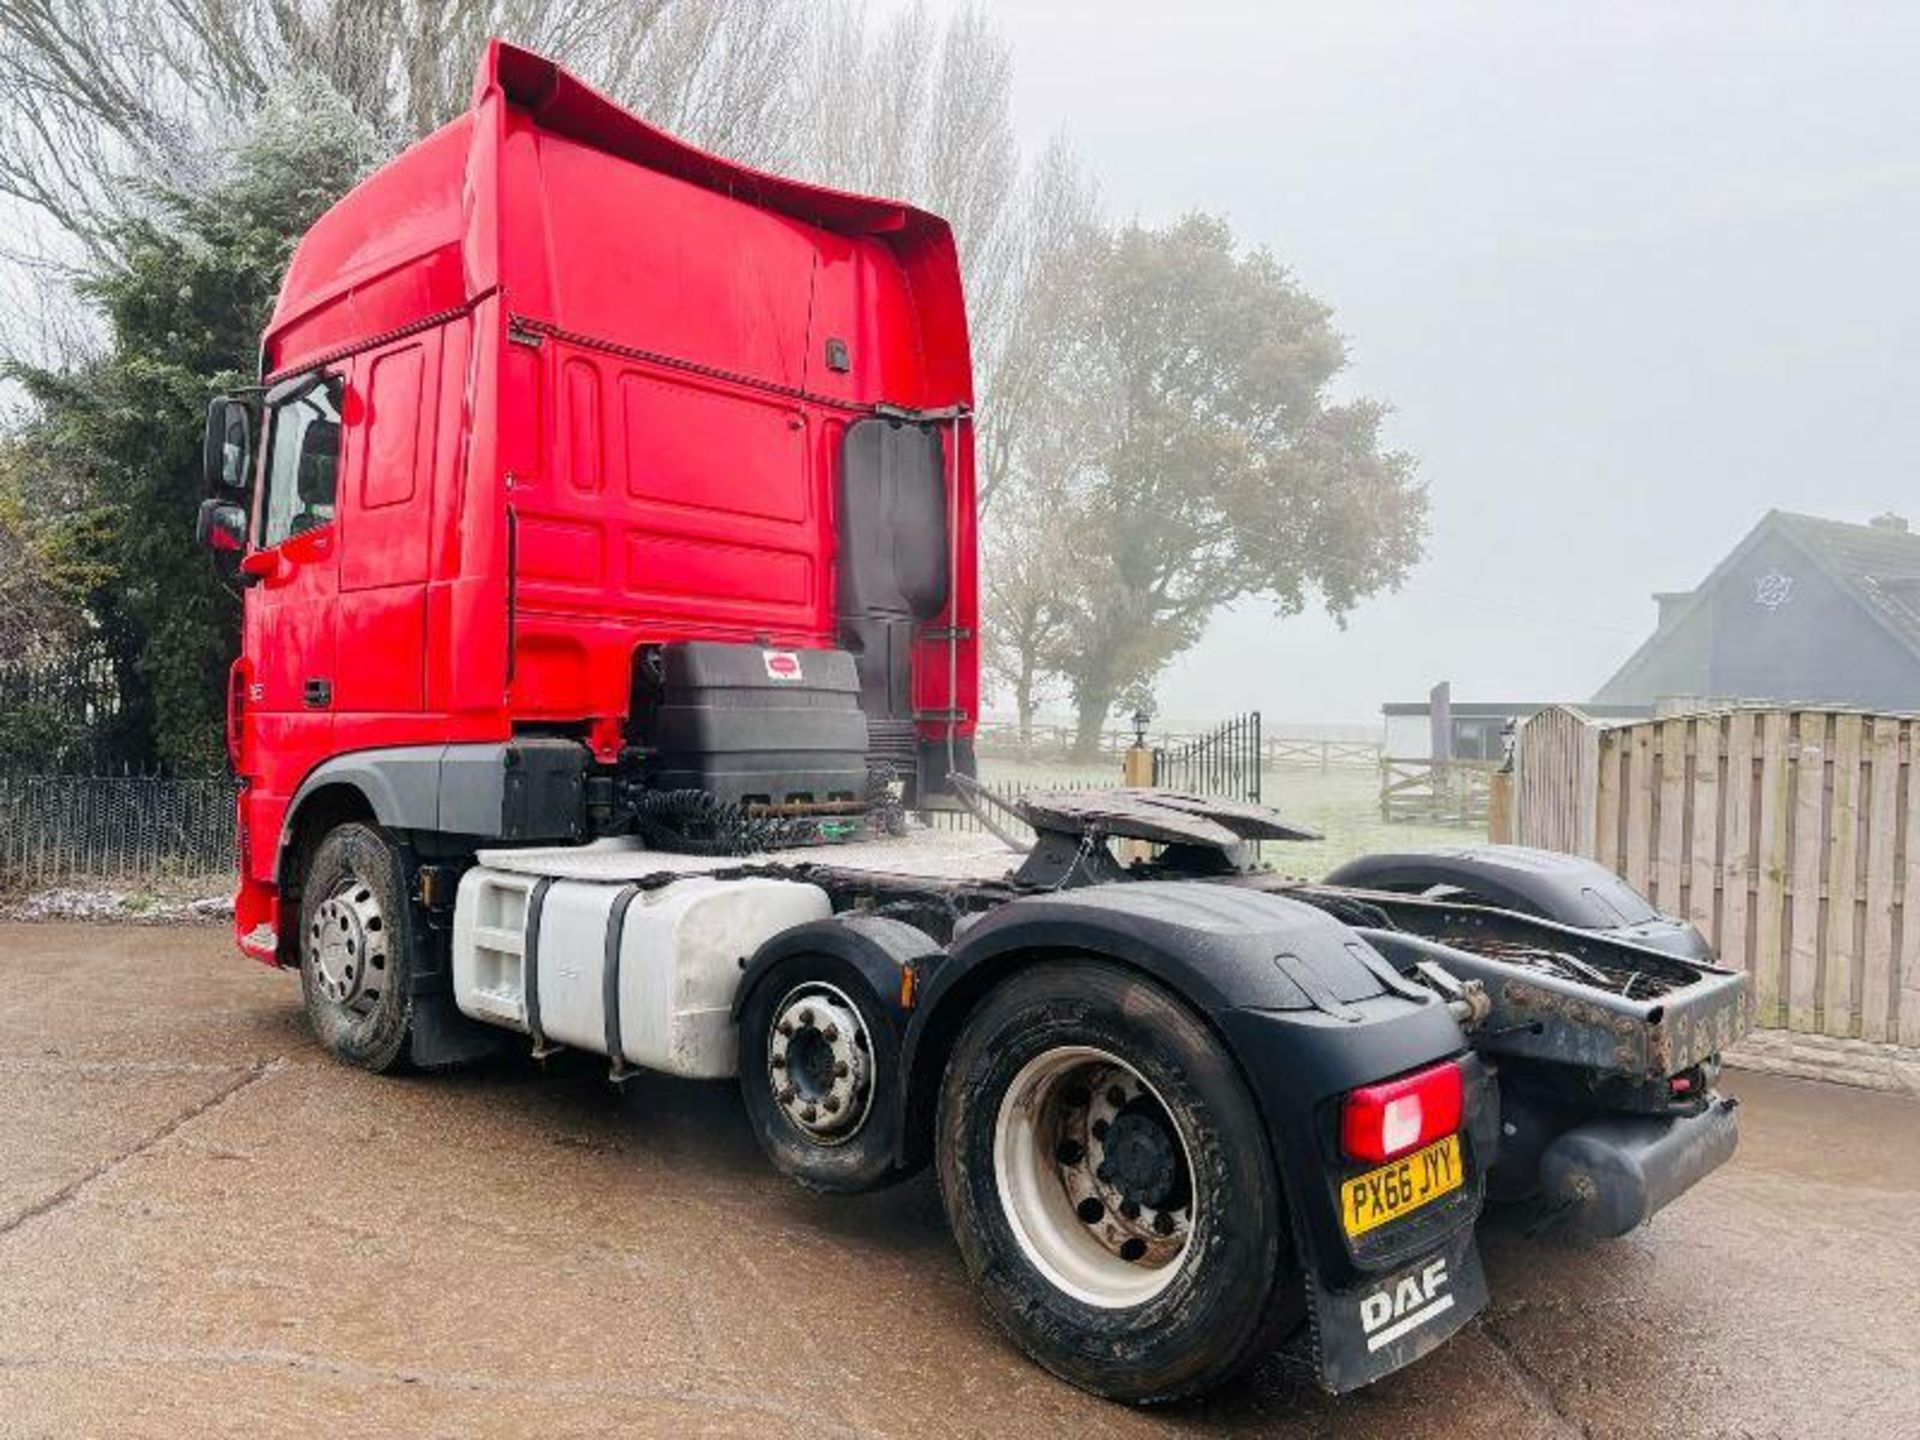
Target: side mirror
(222,526)
(229,447)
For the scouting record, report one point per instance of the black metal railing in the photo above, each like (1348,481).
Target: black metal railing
(123,831)
(1224,762)
(62,712)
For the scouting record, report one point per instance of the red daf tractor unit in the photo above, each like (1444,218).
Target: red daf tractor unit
(606,528)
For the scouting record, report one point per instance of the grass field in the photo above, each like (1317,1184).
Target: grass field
(1343,805)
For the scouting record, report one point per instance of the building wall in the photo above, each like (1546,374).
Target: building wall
(1475,736)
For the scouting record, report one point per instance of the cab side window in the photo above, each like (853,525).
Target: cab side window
(303,464)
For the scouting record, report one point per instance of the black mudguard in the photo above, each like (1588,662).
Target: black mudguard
(878,947)
(1309,1011)
(1567,889)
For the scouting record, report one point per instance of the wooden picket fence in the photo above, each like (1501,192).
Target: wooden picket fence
(1786,835)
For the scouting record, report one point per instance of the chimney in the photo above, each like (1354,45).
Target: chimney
(1889,521)
(1670,602)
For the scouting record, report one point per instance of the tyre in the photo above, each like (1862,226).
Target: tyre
(1109,1183)
(356,927)
(819,1071)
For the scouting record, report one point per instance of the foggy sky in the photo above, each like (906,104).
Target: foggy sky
(1631,275)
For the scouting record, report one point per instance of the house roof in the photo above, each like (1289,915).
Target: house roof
(1878,566)
(1494,709)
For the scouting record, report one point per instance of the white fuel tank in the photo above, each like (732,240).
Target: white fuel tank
(545,956)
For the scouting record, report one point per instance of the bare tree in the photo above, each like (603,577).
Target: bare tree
(1029,322)
(95,94)
(1029,589)
(923,111)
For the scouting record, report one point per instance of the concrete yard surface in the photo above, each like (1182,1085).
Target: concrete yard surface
(208,1227)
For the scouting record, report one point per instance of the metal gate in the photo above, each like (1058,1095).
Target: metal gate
(1224,762)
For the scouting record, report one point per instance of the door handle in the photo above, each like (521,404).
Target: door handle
(319,694)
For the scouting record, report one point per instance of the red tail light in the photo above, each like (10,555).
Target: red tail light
(1381,1122)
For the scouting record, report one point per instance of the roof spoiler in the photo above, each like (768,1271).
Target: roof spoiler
(562,103)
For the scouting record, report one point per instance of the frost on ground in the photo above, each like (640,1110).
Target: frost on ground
(94,903)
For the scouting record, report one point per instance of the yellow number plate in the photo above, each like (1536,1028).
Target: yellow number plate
(1372,1199)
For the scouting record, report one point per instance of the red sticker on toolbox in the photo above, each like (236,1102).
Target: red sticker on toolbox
(781,664)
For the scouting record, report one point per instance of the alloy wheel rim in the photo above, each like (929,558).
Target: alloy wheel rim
(820,1063)
(347,946)
(1095,1177)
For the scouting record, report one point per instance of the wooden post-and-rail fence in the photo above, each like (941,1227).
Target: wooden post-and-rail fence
(1788,836)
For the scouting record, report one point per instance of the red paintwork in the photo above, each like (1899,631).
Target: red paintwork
(665,455)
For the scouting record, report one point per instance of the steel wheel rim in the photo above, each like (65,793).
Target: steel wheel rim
(820,1062)
(1081,1216)
(347,947)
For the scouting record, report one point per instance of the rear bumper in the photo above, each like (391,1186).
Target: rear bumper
(1612,1175)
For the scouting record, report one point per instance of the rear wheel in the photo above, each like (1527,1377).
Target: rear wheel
(355,927)
(819,1071)
(1109,1183)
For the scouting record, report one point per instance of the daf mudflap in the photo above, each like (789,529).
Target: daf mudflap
(1367,1331)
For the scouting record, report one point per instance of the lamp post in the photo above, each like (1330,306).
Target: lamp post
(1137,768)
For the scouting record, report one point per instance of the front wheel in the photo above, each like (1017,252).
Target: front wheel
(1109,1183)
(355,926)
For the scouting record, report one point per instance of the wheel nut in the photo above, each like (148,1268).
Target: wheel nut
(810,1113)
(1090,1211)
(839,1069)
(806,1017)
(1163,1223)
(785,1027)
(786,1094)
(1105,1172)
(831,1104)
(1133,1249)
(1116,1096)
(1077,1096)
(1099,1129)
(1130,1210)
(832,1033)
(1069,1152)
(779,1062)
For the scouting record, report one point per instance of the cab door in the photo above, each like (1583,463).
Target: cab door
(386,506)
(293,569)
